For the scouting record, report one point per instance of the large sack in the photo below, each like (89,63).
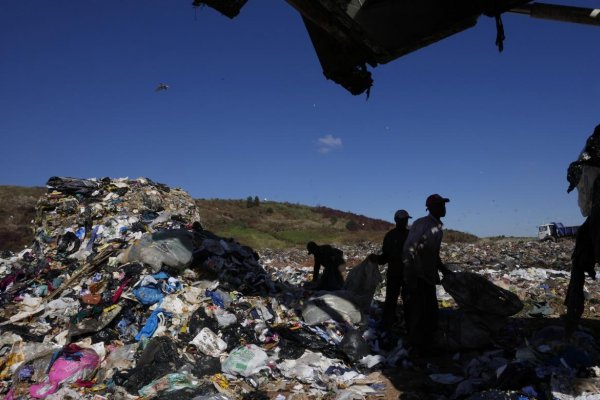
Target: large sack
(474,293)
(73,186)
(173,248)
(362,281)
(328,306)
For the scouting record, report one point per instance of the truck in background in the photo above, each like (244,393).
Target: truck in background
(555,230)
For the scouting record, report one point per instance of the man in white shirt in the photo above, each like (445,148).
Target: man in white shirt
(422,262)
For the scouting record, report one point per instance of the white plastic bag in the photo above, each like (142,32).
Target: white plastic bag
(209,343)
(331,306)
(245,361)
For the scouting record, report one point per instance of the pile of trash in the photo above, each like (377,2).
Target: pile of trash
(124,295)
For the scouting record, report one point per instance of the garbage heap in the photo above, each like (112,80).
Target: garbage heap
(124,295)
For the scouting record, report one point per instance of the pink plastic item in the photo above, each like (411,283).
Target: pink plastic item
(66,371)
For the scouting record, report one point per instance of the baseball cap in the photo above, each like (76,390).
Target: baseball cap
(435,199)
(401,214)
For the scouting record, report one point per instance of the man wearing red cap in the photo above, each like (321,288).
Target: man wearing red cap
(421,265)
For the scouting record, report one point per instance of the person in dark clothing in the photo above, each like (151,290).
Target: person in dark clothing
(331,259)
(393,244)
(422,265)
(585,255)
(585,175)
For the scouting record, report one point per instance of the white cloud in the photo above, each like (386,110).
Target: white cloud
(327,143)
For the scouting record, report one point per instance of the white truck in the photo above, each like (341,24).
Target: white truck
(555,230)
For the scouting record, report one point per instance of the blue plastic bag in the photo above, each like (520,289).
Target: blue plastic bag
(148,295)
(152,324)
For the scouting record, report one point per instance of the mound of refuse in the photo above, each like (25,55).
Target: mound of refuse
(123,294)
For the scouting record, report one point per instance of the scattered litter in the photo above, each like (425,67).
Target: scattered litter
(122,296)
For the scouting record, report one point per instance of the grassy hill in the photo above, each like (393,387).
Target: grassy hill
(281,225)
(267,224)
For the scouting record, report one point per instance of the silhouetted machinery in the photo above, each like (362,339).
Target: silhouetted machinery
(349,34)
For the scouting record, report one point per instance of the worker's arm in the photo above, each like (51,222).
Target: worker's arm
(443,268)
(384,257)
(316,269)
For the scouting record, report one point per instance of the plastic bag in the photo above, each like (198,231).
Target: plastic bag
(331,306)
(69,367)
(354,346)
(362,281)
(172,248)
(73,186)
(148,295)
(209,343)
(224,318)
(245,361)
(154,321)
(473,292)
(169,383)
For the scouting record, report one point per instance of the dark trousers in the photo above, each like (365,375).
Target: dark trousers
(394,285)
(574,301)
(420,312)
(331,279)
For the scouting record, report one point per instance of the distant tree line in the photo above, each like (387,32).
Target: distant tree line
(252,202)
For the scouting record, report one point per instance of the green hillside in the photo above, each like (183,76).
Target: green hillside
(281,225)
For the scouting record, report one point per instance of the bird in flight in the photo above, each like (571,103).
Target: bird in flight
(161,86)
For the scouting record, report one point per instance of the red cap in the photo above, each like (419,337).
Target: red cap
(435,199)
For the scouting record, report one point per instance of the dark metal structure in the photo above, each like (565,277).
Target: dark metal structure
(348,35)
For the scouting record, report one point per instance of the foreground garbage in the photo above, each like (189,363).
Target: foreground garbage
(124,295)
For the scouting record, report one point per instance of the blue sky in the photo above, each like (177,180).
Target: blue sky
(248,111)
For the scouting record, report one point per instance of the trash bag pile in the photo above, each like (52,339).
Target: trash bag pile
(124,295)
